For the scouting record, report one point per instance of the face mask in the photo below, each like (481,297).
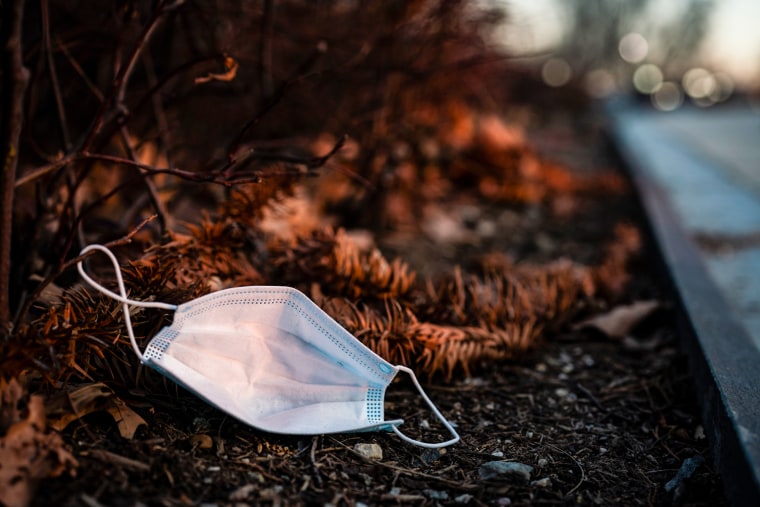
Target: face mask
(271,358)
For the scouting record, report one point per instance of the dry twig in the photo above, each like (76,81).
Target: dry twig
(15,78)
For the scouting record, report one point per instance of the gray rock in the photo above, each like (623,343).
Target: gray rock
(688,467)
(430,455)
(494,469)
(464,498)
(242,493)
(434,494)
(369,451)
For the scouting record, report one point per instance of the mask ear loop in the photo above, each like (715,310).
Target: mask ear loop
(435,410)
(122,296)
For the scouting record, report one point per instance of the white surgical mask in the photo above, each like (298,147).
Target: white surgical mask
(271,358)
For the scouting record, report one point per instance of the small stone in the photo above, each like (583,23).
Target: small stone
(430,455)
(699,433)
(213,469)
(465,498)
(494,469)
(542,462)
(561,392)
(542,483)
(474,381)
(434,494)
(497,454)
(504,501)
(366,478)
(688,467)
(369,451)
(242,493)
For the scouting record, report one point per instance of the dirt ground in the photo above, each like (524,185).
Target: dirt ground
(583,419)
(599,425)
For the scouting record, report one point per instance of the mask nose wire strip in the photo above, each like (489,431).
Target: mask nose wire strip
(435,410)
(122,296)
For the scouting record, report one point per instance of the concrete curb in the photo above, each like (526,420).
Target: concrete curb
(723,357)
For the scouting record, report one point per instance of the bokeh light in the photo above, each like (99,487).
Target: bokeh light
(720,36)
(647,78)
(698,83)
(725,87)
(556,72)
(633,47)
(600,83)
(705,88)
(668,96)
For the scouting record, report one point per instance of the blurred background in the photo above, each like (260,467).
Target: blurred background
(702,52)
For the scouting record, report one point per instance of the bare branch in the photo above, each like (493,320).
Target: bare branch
(265,50)
(15,79)
(81,73)
(119,86)
(276,97)
(63,124)
(122,79)
(46,169)
(158,108)
(150,186)
(124,240)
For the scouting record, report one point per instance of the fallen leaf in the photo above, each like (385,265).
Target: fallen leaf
(230,67)
(76,402)
(618,322)
(126,419)
(27,452)
(71,405)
